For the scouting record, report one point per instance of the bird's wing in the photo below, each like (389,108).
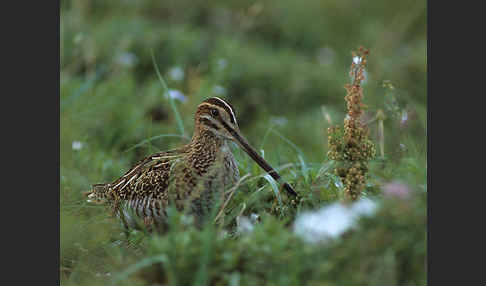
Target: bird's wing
(151,174)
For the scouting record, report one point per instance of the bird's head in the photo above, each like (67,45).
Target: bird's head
(218,117)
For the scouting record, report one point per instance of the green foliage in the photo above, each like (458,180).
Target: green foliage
(278,63)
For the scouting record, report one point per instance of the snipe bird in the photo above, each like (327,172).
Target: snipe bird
(193,175)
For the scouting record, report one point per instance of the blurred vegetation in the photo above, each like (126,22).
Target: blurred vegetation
(283,65)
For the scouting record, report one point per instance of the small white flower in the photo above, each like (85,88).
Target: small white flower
(77,145)
(404,117)
(127,59)
(175,94)
(78,38)
(328,222)
(176,73)
(331,221)
(279,120)
(187,220)
(254,217)
(243,225)
(364,207)
(357,60)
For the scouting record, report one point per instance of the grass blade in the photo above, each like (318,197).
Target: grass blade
(83,89)
(305,169)
(153,138)
(274,186)
(288,142)
(171,100)
(139,265)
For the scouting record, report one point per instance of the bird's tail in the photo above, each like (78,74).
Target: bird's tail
(97,194)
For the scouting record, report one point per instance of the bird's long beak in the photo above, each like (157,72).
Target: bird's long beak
(258,159)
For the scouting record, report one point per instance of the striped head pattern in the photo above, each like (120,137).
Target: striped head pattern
(218,116)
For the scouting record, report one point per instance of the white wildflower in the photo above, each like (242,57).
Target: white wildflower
(279,120)
(175,94)
(243,225)
(328,222)
(254,218)
(363,207)
(404,117)
(77,145)
(176,73)
(78,38)
(331,221)
(187,220)
(127,59)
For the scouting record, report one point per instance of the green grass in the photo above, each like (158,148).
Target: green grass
(279,63)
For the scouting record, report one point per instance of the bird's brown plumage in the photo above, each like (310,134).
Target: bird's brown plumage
(192,177)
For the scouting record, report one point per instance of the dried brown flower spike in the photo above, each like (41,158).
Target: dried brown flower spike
(350,147)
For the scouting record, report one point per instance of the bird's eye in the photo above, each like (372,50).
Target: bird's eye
(214,112)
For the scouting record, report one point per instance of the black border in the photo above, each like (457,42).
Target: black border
(31,90)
